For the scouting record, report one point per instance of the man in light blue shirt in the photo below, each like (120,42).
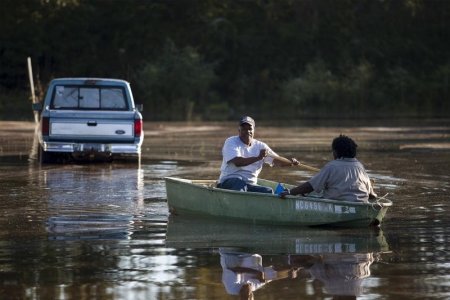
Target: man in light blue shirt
(243,160)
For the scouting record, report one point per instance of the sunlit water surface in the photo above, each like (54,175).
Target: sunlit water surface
(103,230)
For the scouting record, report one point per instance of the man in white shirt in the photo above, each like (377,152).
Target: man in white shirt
(343,178)
(243,159)
(244,273)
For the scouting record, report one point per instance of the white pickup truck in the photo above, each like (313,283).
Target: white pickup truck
(89,118)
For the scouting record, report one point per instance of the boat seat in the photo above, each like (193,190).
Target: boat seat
(206,183)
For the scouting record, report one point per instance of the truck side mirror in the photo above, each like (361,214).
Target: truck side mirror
(140,107)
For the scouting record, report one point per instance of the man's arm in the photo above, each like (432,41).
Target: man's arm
(239,270)
(281,161)
(372,194)
(302,189)
(245,161)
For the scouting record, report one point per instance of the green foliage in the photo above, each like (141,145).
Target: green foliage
(312,91)
(176,84)
(434,92)
(199,59)
(15,106)
(320,92)
(217,111)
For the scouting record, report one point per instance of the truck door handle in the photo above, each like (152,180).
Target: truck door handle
(91,123)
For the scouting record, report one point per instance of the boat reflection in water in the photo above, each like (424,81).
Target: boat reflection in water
(334,262)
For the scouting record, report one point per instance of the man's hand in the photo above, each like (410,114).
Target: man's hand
(295,162)
(263,153)
(284,193)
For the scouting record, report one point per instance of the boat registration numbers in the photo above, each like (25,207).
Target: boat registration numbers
(323,207)
(305,247)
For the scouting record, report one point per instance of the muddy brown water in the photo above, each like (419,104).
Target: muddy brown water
(103,230)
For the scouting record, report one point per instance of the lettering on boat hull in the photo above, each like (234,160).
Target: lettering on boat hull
(324,207)
(342,209)
(305,247)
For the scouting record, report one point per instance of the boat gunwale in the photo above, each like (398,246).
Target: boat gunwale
(197,183)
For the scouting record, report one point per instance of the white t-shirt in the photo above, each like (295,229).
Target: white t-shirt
(234,147)
(343,179)
(233,281)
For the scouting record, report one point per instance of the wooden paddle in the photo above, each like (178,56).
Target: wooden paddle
(277,157)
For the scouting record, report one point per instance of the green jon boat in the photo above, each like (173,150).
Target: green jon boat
(203,198)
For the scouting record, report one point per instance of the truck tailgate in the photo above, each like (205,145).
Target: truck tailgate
(90,126)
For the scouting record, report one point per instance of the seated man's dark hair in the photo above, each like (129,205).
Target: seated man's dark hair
(343,146)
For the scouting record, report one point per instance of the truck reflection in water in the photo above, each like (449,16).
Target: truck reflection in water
(92,201)
(90,226)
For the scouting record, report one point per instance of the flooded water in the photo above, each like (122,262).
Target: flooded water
(103,230)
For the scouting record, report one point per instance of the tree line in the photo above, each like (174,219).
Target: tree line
(216,60)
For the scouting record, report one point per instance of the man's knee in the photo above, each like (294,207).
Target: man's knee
(238,184)
(235,184)
(259,189)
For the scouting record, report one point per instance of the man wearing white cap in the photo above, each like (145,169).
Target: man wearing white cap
(243,159)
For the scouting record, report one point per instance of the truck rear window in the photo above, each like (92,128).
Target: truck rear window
(90,98)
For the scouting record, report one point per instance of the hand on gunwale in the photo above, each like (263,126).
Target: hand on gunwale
(284,193)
